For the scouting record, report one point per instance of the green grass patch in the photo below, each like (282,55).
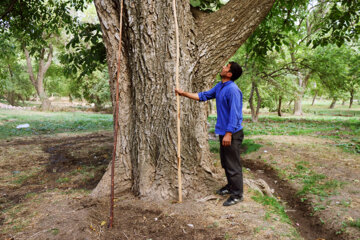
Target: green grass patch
(314,183)
(335,128)
(350,147)
(54,231)
(250,146)
(63,180)
(355,224)
(274,207)
(214,146)
(20,179)
(51,122)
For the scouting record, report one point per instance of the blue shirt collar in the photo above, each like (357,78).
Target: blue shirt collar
(226,83)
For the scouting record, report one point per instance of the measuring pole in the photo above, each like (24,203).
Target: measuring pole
(116,125)
(178,102)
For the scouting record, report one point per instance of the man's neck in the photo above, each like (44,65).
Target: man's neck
(224,80)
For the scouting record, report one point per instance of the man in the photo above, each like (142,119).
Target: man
(228,126)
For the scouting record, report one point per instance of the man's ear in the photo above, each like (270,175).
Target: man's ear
(229,74)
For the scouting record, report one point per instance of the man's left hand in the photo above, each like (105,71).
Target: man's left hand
(227,139)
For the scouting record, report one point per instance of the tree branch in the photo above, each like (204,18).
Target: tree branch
(49,58)
(43,67)
(221,33)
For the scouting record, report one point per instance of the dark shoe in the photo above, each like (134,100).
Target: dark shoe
(233,200)
(223,191)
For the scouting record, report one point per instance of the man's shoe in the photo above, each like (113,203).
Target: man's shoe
(233,200)
(223,191)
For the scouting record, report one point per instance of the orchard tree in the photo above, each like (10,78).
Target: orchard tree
(146,155)
(329,64)
(352,83)
(14,86)
(34,24)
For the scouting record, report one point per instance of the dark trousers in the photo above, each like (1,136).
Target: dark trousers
(230,161)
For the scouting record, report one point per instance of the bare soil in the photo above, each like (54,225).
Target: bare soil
(45,183)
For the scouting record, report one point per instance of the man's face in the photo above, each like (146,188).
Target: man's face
(225,72)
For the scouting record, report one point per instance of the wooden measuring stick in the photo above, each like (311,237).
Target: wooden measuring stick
(178,102)
(116,124)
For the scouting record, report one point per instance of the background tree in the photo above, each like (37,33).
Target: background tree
(14,86)
(34,24)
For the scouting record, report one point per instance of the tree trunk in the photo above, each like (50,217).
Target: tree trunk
(290,102)
(332,105)
(254,112)
(298,105)
(38,82)
(10,96)
(302,83)
(313,101)
(351,97)
(146,149)
(279,106)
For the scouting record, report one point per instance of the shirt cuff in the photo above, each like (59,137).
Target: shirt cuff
(201,97)
(230,129)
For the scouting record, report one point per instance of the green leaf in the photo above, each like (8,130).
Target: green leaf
(195,3)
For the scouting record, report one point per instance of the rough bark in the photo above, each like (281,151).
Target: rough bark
(38,82)
(146,147)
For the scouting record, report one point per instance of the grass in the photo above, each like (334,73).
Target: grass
(54,231)
(51,122)
(313,183)
(63,180)
(355,224)
(345,131)
(274,207)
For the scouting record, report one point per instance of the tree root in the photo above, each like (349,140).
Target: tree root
(259,185)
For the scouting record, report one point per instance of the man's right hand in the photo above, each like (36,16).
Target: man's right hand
(193,96)
(179,91)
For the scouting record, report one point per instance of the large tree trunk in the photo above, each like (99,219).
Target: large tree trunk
(38,82)
(146,149)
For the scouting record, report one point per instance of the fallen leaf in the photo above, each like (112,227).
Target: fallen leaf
(103,223)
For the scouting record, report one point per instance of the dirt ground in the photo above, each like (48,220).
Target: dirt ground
(45,183)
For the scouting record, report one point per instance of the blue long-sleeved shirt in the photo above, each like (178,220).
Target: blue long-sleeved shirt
(228,104)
